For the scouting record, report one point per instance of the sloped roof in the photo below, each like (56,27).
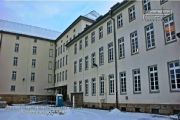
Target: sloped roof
(29,30)
(92,15)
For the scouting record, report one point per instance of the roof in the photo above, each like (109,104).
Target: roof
(91,17)
(18,28)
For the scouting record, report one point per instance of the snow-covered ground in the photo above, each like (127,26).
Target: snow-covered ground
(51,113)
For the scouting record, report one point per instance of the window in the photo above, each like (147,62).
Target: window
(101,56)
(32,77)
(34,50)
(174,75)
(63,47)
(119,21)
(60,62)
(123,82)
(132,13)
(109,27)
(169,29)
(49,78)
(16,49)
(17,37)
(146,5)
(75,66)
(134,43)
(110,52)
(35,40)
(86,87)
(93,37)
(93,59)
(13,75)
(66,75)
(51,43)
(136,81)
(75,48)
(93,86)
(12,88)
(163,1)
(80,86)
(111,84)
(60,76)
(66,59)
(153,78)
(80,45)
(50,52)
(33,63)
(121,48)
(58,51)
(63,76)
(86,41)
(149,33)
(75,87)
(100,32)
(102,85)
(63,61)
(31,88)
(15,61)
(57,77)
(86,62)
(66,43)
(80,65)
(50,65)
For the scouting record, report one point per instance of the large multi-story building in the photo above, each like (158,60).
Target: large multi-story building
(128,58)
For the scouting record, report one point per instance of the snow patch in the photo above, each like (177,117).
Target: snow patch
(115,111)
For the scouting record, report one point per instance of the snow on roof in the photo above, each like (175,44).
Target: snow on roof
(92,15)
(19,28)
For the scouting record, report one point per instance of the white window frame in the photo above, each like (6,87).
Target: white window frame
(31,88)
(100,32)
(167,21)
(80,45)
(93,86)
(132,14)
(13,88)
(66,75)
(86,41)
(163,1)
(14,74)
(123,83)
(33,63)
(15,61)
(146,5)
(80,86)
(32,76)
(63,76)
(153,78)
(110,52)
(86,63)
(121,48)
(134,43)
(93,37)
(75,66)
(109,27)
(174,72)
(149,34)
(16,48)
(80,65)
(136,81)
(75,48)
(119,21)
(93,59)
(34,50)
(101,56)
(102,85)
(75,87)
(111,84)
(86,87)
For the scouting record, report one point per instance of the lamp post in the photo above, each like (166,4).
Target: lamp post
(178,35)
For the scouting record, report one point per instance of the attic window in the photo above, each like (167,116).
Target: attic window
(74,30)
(35,40)
(17,37)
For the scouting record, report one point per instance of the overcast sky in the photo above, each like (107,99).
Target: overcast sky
(55,15)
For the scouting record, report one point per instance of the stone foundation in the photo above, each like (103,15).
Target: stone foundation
(22,99)
(164,109)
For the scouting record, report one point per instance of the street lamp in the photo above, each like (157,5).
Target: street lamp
(178,35)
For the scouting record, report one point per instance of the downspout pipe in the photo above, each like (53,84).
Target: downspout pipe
(115,54)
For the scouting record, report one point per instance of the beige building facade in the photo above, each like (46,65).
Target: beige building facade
(127,58)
